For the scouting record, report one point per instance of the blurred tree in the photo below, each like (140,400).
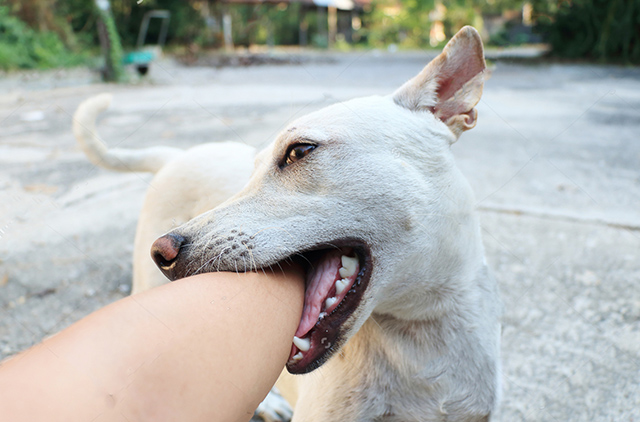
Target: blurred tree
(272,24)
(423,23)
(113,70)
(398,22)
(42,16)
(22,46)
(187,24)
(604,30)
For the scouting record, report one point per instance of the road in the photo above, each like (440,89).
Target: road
(554,162)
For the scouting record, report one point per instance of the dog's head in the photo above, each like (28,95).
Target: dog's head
(364,194)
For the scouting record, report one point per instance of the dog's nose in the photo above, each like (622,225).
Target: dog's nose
(165,250)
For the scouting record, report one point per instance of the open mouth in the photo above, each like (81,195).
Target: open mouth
(337,274)
(336,279)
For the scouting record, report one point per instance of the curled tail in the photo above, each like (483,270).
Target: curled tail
(130,160)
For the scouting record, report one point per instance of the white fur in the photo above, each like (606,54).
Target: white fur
(186,183)
(274,408)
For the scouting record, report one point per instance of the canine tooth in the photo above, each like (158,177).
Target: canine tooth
(348,266)
(302,343)
(341,285)
(322,315)
(330,301)
(297,356)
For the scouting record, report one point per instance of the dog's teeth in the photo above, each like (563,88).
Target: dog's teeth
(330,301)
(297,356)
(302,343)
(348,266)
(341,285)
(322,315)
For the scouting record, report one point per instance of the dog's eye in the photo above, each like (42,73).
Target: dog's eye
(297,152)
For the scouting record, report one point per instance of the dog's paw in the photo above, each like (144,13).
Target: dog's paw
(274,408)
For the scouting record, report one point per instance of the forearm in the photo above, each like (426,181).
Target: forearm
(205,348)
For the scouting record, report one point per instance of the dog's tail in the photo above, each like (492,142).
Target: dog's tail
(84,129)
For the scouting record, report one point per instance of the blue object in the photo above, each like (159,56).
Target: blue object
(138,57)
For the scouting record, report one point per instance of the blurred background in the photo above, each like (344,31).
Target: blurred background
(39,34)
(554,160)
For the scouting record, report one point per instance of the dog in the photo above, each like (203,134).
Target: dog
(401,320)
(186,183)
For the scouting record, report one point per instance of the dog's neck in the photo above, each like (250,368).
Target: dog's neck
(431,353)
(432,271)
(471,320)
(454,304)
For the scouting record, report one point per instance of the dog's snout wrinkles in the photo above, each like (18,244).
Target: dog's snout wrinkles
(165,250)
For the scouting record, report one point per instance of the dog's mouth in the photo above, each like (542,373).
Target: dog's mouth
(336,279)
(337,275)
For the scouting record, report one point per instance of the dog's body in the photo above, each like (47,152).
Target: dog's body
(414,336)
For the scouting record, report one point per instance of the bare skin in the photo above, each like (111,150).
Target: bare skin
(205,348)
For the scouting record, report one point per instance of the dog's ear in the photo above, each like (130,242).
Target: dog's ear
(451,85)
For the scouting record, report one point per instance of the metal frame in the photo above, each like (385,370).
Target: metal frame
(161,14)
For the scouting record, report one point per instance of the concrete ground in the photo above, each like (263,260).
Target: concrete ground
(554,161)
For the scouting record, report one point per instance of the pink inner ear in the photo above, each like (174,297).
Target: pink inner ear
(449,109)
(452,77)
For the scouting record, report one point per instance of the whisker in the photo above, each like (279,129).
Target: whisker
(209,261)
(281,269)
(219,258)
(306,259)
(206,246)
(252,260)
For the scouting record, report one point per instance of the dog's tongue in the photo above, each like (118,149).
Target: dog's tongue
(321,281)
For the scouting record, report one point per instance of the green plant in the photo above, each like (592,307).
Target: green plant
(392,22)
(23,48)
(409,23)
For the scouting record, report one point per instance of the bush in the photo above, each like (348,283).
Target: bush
(23,48)
(604,30)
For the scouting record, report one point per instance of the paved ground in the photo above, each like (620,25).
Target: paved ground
(554,161)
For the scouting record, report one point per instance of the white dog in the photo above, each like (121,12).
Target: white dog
(366,195)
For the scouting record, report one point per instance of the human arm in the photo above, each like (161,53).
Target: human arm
(206,348)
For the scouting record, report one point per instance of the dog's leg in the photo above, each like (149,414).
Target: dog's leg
(274,408)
